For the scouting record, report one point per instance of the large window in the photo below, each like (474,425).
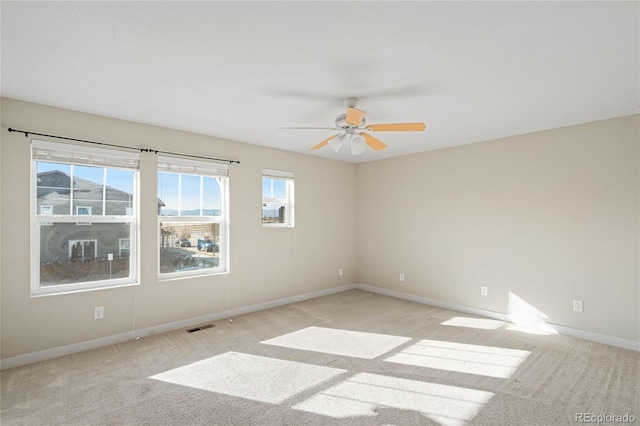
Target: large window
(83,204)
(192,217)
(277,198)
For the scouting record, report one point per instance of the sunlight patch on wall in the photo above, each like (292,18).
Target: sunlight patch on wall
(484,324)
(463,358)
(249,376)
(363,393)
(339,342)
(526,317)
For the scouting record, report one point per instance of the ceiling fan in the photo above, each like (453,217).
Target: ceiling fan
(354,130)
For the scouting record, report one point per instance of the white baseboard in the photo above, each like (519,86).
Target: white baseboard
(191,322)
(44,355)
(582,334)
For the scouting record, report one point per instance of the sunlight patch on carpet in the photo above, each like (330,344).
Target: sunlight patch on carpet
(249,376)
(484,324)
(463,358)
(363,393)
(339,342)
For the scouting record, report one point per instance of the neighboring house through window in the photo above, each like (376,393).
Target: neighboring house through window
(277,198)
(46,211)
(124,245)
(77,185)
(82,249)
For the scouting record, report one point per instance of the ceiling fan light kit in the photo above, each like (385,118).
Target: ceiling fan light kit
(337,142)
(358,145)
(354,130)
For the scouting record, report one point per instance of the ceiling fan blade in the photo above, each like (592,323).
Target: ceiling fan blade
(324,142)
(373,142)
(354,116)
(397,127)
(310,128)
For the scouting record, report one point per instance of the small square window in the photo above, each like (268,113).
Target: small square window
(277,198)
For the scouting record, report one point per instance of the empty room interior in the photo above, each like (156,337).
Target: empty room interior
(331,213)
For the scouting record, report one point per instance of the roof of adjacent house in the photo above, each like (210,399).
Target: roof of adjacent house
(58,183)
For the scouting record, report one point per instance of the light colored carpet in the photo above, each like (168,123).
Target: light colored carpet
(353,358)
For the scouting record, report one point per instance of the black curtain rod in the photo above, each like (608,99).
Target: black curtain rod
(155,151)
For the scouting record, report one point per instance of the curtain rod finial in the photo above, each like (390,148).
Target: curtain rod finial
(26,134)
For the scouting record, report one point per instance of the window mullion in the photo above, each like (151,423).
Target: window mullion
(104,191)
(201,195)
(180,194)
(71,188)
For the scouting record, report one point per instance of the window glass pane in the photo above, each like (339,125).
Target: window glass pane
(88,186)
(168,193)
(273,212)
(279,189)
(266,188)
(277,200)
(212,198)
(274,188)
(190,196)
(186,246)
(53,187)
(73,254)
(119,194)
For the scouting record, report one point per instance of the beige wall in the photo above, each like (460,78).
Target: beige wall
(550,216)
(266,264)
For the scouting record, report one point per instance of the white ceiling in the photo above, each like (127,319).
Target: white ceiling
(472,71)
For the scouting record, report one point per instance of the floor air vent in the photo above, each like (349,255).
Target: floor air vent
(201,327)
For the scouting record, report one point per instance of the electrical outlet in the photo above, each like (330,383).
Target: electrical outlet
(341,272)
(98,312)
(484,291)
(401,277)
(577,305)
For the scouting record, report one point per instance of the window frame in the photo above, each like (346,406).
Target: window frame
(288,201)
(201,168)
(72,154)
